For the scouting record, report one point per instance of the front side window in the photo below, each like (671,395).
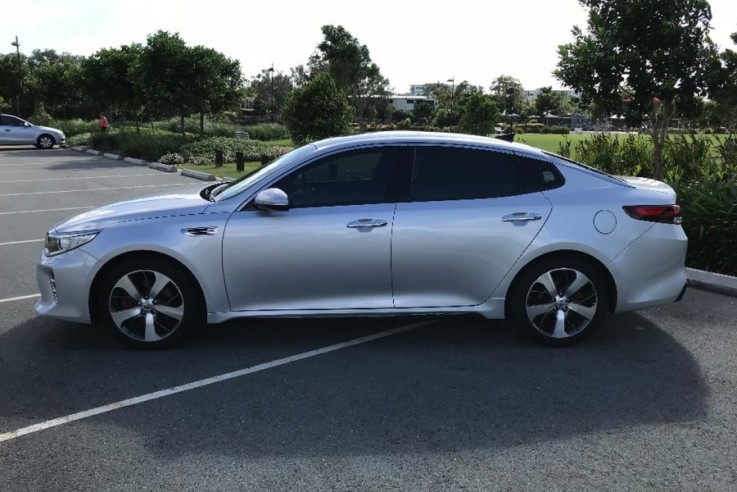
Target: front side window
(349,178)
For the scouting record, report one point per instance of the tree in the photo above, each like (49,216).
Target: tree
(508,94)
(478,114)
(349,64)
(645,58)
(216,82)
(422,112)
(270,91)
(547,100)
(317,110)
(724,82)
(178,80)
(110,80)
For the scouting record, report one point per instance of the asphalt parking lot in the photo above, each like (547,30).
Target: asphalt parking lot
(441,403)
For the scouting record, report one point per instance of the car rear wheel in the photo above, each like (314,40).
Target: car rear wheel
(45,142)
(559,301)
(149,304)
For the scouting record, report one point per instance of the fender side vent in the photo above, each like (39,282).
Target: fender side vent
(200,231)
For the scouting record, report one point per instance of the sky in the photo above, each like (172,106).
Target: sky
(412,42)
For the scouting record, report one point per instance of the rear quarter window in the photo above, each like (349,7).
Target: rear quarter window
(537,175)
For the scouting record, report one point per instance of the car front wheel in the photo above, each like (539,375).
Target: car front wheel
(559,301)
(149,304)
(45,142)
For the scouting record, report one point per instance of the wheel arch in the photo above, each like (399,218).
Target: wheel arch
(611,285)
(137,255)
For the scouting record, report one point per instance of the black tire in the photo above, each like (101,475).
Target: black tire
(45,141)
(148,321)
(543,305)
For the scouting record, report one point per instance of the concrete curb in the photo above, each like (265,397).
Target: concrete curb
(137,162)
(167,168)
(713,282)
(113,156)
(78,149)
(93,152)
(198,175)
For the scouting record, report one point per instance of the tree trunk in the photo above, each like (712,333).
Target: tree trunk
(181,122)
(660,119)
(202,124)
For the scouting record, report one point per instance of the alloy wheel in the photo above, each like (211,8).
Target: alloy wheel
(561,303)
(146,305)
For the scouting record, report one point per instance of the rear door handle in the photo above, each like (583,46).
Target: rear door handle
(360,223)
(521,217)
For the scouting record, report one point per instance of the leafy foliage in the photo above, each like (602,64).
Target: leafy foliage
(646,58)
(252,150)
(317,110)
(478,114)
(709,212)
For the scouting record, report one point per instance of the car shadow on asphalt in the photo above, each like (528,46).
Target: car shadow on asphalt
(457,383)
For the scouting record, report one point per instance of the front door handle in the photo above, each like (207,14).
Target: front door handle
(521,217)
(361,223)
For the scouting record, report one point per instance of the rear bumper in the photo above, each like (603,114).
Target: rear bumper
(651,271)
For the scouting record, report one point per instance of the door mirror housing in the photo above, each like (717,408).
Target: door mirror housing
(271,199)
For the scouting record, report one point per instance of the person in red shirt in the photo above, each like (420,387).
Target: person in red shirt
(103,123)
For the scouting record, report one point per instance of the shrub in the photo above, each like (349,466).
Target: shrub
(710,220)
(76,127)
(266,131)
(556,130)
(149,144)
(253,151)
(630,156)
(688,158)
(40,116)
(80,140)
(173,158)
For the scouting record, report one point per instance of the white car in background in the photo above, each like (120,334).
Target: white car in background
(16,131)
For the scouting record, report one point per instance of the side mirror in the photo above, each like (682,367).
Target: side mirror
(272,199)
(26,124)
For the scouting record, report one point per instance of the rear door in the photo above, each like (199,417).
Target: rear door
(468,217)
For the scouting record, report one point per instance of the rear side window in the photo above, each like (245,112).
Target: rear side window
(448,173)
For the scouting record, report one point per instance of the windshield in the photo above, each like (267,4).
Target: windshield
(262,173)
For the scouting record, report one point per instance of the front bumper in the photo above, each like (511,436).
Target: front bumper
(64,282)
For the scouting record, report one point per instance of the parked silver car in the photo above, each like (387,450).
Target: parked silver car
(15,131)
(392,223)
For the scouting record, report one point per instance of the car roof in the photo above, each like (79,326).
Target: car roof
(417,137)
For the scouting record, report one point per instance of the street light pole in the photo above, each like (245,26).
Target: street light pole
(20,76)
(452,93)
(272,92)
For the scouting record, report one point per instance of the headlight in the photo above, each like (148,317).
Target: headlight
(57,244)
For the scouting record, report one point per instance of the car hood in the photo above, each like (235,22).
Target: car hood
(169,205)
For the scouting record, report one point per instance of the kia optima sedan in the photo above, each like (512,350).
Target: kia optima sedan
(394,223)
(15,131)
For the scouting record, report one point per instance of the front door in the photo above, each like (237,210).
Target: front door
(331,250)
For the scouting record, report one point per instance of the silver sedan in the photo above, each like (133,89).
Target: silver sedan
(392,223)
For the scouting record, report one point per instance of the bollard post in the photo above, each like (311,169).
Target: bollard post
(240,162)
(264,159)
(218,158)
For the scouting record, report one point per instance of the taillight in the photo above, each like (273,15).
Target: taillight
(666,214)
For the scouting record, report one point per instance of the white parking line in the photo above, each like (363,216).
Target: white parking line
(45,210)
(8,243)
(19,298)
(96,189)
(84,177)
(204,382)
